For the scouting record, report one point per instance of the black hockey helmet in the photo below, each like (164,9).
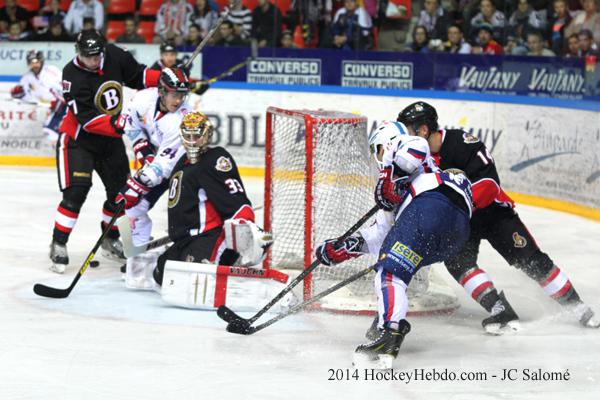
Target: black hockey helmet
(168,47)
(173,80)
(90,43)
(419,113)
(34,55)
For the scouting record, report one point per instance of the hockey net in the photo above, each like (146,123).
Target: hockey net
(319,180)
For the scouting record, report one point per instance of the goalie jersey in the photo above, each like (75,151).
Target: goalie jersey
(204,194)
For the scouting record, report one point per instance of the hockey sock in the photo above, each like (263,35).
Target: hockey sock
(478,284)
(107,214)
(65,219)
(558,286)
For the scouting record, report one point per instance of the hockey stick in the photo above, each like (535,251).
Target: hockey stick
(209,35)
(47,291)
(243,329)
(229,316)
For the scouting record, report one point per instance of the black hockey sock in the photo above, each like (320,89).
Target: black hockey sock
(65,219)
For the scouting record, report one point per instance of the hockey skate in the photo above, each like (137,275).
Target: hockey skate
(373,332)
(59,257)
(503,319)
(586,316)
(113,249)
(381,352)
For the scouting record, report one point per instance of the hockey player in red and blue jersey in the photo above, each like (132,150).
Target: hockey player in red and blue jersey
(495,220)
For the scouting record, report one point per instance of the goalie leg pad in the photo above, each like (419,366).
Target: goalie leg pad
(139,273)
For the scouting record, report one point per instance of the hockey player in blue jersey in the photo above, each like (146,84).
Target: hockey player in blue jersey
(424,219)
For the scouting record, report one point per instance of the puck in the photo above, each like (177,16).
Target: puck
(94,264)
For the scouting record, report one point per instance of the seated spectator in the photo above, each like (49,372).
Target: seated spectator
(172,21)
(535,44)
(287,40)
(11,12)
(192,40)
(456,42)
(204,17)
(573,46)
(311,15)
(587,47)
(266,24)
(88,23)
(130,35)
(14,33)
(557,23)
(435,19)
(526,17)
(393,26)
(485,42)
(56,32)
(241,18)
(168,57)
(351,27)
(52,9)
(228,37)
(489,16)
(81,9)
(588,19)
(420,40)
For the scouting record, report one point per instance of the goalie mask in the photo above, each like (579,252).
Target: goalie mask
(386,134)
(196,132)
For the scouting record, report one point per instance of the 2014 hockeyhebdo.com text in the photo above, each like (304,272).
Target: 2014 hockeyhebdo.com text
(447,375)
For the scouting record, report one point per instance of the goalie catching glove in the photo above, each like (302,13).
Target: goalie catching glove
(331,252)
(248,240)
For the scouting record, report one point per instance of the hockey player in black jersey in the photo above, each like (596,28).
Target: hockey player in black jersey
(495,220)
(90,135)
(205,192)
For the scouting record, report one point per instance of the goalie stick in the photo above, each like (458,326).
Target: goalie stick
(229,316)
(47,291)
(243,329)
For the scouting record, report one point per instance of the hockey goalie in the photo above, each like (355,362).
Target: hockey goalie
(217,251)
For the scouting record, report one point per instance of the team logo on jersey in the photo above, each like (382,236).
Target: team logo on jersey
(175,189)
(223,164)
(468,138)
(66,86)
(109,98)
(519,240)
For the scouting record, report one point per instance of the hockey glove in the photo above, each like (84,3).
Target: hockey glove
(144,153)
(17,92)
(118,122)
(131,193)
(387,193)
(199,87)
(330,252)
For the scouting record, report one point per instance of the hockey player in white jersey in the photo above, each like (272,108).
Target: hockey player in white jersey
(424,218)
(42,85)
(152,122)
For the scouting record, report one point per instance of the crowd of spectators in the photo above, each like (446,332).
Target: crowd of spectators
(567,28)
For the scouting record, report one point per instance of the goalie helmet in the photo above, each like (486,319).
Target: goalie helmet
(196,132)
(386,134)
(419,113)
(90,43)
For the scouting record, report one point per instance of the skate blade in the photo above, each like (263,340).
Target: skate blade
(365,361)
(591,323)
(58,268)
(497,329)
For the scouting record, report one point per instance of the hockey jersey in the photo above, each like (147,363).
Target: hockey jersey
(144,120)
(45,87)
(204,194)
(94,97)
(466,152)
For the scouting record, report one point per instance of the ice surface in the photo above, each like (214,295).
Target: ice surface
(106,342)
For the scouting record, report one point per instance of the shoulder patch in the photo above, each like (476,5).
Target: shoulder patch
(66,86)
(223,164)
(468,138)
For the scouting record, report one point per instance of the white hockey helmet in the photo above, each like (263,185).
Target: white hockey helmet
(386,134)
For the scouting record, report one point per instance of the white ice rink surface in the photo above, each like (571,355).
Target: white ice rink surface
(105,342)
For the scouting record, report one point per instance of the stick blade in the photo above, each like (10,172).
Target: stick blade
(47,291)
(228,315)
(240,326)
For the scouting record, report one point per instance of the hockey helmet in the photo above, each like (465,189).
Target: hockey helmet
(173,80)
(419,113)
(34,55)
(196,132)
(89,43)
(168,47)
(387,133)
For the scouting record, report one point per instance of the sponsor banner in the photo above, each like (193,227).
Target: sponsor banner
(21,129)
(380,75)
(285,71)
